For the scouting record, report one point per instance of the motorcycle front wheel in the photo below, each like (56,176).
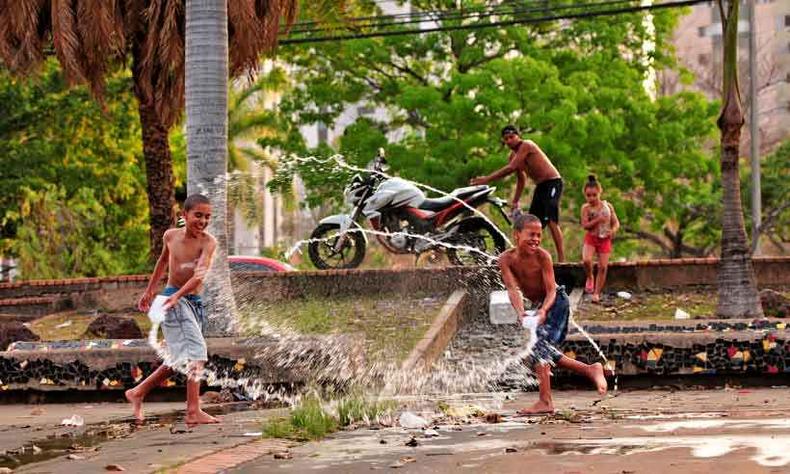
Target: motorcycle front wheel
(322,245)
(479,243)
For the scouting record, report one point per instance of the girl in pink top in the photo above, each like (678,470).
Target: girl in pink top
(601,223)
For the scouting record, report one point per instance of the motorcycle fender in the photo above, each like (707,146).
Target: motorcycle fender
(344,221)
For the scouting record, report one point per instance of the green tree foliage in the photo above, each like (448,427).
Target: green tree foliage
(574,88)
(73,199)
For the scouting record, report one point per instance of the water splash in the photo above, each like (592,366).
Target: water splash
(325,361)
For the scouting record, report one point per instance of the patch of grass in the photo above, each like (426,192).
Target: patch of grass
(390,324)
(350,410)
(309,420)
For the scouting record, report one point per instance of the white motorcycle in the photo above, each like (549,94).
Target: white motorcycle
(406,222)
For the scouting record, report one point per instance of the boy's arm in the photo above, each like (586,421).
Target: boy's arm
(201,269)
(521,181)
(513,292)
(501,173)
(549,285)
(144,304)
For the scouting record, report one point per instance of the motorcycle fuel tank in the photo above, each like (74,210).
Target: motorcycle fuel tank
(394,192)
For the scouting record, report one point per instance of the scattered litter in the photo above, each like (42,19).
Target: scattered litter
(624,295)
(382,441)
(410,420)
(36,449)
(37,411)
(253,434)
(511,450)
(431,433)
(283,455)
(74,457)
(75,420)
(64,324)
(114,467)
(680,314)
(412,442)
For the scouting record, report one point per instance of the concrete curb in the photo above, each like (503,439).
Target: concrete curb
(439,335)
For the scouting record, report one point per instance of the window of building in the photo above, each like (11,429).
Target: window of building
(787,21)
(703,59)
(701,31)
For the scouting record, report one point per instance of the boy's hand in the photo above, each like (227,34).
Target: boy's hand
(477,181)
(144,303)
(170,302)
(541,315)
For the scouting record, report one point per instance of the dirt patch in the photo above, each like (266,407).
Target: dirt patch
(649,306)
(71,325)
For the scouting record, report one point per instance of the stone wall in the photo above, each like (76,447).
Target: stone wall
(113,293)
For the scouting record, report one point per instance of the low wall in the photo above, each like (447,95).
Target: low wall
(113,293)
(114,364)
(439,335)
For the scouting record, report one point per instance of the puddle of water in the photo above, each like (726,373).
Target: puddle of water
(49,448)
(770,451)
(669,426)
(667,416)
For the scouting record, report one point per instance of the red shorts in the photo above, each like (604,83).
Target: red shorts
(600,245)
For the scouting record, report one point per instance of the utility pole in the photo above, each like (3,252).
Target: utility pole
(754,130)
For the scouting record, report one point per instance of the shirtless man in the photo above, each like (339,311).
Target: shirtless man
(527,271)
(527,159)
(187,254)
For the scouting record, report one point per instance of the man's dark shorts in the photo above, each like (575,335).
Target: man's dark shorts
(546,201)
(551,334)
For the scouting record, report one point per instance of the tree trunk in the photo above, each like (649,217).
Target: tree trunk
(158,173)
(207,142)
(738,295)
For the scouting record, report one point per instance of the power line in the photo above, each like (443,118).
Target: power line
(518,21)
(445,15)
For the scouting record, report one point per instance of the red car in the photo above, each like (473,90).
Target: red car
(257,264)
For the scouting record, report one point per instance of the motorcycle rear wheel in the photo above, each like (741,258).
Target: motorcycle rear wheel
(322,250)
(477,234)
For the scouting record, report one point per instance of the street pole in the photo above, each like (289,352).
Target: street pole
(754,131)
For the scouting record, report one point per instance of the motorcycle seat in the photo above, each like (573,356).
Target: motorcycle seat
(437,204)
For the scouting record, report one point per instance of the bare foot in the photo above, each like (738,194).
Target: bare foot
(589,286)
(137,404)
(539,408)
(599,377)
(596,298)
(200,418)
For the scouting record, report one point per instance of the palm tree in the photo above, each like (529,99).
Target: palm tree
(91,37)
(738,296)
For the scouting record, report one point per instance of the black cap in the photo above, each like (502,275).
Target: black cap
(510,129)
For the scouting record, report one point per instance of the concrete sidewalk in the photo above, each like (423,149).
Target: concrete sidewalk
(743,430)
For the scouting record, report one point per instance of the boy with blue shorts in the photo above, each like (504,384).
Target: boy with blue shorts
(187,254)
(528,272)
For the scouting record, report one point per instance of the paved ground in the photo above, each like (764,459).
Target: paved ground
(740,431)
(686,431)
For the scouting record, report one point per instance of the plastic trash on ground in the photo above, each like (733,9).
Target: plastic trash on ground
(411,421)
(75,420)
(680,314)
(624,295)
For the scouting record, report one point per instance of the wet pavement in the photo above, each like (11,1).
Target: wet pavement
(734,430)
(729,430)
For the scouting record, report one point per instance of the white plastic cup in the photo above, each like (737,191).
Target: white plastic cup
(156,313)
(530,321)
